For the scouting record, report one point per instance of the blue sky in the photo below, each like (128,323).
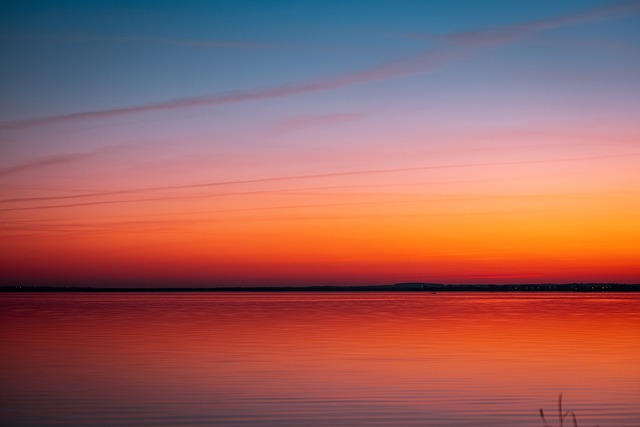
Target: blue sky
(320,141)
(75,56)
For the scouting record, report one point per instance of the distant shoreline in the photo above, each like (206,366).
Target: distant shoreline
(399,287)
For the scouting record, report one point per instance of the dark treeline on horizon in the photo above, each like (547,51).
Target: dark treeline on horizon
(399,287)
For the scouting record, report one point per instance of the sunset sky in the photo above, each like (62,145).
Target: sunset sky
(319,142)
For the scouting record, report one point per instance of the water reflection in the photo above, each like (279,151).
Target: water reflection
(318,359)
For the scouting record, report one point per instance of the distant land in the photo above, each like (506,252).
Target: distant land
(398,287)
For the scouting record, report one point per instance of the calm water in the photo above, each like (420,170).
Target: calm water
(381,359)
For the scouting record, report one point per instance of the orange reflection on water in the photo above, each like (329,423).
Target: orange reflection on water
(446,352)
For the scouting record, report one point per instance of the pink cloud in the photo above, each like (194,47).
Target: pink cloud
(303,122)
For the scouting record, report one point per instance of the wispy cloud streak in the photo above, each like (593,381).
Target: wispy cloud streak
(303,122)
(52,161)
(512,33)
(273,179)
(167,225)
(48,162)
(394,69)
(462,45)
(167,41)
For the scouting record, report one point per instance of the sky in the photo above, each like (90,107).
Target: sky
(255,143)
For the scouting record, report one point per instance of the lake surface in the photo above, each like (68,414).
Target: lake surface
(318,359)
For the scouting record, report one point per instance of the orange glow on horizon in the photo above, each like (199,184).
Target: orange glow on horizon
(381,239)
